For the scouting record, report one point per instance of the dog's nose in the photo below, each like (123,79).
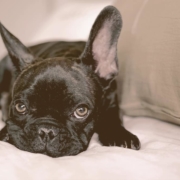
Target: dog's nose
(46,134)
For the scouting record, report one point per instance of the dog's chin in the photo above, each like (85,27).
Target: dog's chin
(58,147)
(53,151)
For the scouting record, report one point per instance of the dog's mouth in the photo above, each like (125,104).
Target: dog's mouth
(45,139)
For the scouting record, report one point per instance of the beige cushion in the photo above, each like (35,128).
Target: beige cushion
(149,59)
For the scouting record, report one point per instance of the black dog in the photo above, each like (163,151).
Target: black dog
(63,92)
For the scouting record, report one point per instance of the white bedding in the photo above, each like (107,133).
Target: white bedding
(159,158)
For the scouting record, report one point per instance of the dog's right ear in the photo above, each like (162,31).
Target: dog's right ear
(20,54)
(101,48)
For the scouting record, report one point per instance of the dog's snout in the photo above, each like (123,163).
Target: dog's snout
(47,134)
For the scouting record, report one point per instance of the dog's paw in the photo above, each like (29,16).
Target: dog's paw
(122,138)
(129,140)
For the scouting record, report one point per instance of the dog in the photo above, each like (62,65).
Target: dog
(63,92)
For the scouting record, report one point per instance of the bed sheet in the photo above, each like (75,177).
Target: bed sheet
(159,158)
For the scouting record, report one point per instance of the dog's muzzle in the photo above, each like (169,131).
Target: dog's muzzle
(47,134)
(47,130)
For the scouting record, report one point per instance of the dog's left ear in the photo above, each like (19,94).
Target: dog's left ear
(101,49)
(20,54)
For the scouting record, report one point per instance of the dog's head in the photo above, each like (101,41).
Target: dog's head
(56,102)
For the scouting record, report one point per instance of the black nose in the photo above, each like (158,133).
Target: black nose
(46,134)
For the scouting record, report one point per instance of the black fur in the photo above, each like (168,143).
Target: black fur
(52,80)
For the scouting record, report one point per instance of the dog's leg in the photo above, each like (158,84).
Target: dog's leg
(6,69)
(5,83)
(4,135)
(109,127)
(112,133)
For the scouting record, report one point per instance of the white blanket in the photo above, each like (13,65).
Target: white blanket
(159,158)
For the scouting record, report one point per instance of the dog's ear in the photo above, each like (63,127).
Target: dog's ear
(20,54)
(101,49)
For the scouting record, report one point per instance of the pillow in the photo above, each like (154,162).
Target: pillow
(149,59)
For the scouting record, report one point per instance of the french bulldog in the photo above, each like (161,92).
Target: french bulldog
(63,92)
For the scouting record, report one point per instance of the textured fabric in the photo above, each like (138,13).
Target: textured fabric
(158,158)
(149,59)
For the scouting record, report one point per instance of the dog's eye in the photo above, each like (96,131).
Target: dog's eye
(81,112)
(20,108)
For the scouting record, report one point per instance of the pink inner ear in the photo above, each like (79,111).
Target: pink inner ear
(104,52)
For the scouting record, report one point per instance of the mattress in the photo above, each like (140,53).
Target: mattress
(159,158)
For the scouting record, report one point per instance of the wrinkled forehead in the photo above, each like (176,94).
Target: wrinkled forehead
(55,78)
